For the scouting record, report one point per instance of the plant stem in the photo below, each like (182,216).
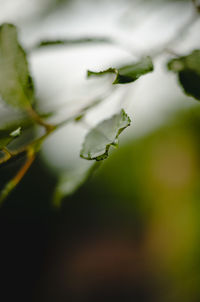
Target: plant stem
(35,116)
(35,145)
(7,153)
(20,174)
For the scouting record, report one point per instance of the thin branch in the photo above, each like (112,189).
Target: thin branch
(20,174)
(79,115)
(36,117)
(70,42)
(7,154)
(34,145)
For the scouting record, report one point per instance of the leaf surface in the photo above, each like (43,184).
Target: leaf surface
(7,136)
(127,73)
(99,140)
(188,71)
(16,85)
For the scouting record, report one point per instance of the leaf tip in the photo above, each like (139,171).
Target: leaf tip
(16,132)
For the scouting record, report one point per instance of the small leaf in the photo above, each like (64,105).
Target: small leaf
(6,136)
(66,42)
(188,70)
(16,86)
(16,132)
(99,140)
(79,117)
(128,73)
(10,186)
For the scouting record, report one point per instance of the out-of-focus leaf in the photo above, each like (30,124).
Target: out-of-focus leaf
(99,140)
(128,73)
(6,136)
(188,70)
(69,42)
(22,122)
(16,132)
(16,85)
(71,181)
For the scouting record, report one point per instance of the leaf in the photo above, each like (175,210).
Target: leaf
(188,71)
(71,181)
(56,42)
(99,140)
(16,132)
(16,85)
(24,122)
(6,136)
(128,73)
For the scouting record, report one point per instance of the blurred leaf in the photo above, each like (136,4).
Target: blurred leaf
(99,140)
(22,122)
(128,73)
(77,41)
(16,86)
(16,132)
(11,130)
(6,136)
(188,70)
(71,182)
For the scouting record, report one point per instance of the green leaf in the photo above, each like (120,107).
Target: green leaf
(188,71)
(67,42)
(99,140)
(71,181)
(24,122)
(128,73)
(16,85)
(6,136)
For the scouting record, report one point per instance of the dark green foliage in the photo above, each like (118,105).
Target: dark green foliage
(128,73)
(188,71)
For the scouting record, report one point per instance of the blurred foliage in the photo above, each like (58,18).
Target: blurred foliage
(17,90)
(16,85)
(154,184)
(148,194)
(188,69)
(130,233)
(129,73)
